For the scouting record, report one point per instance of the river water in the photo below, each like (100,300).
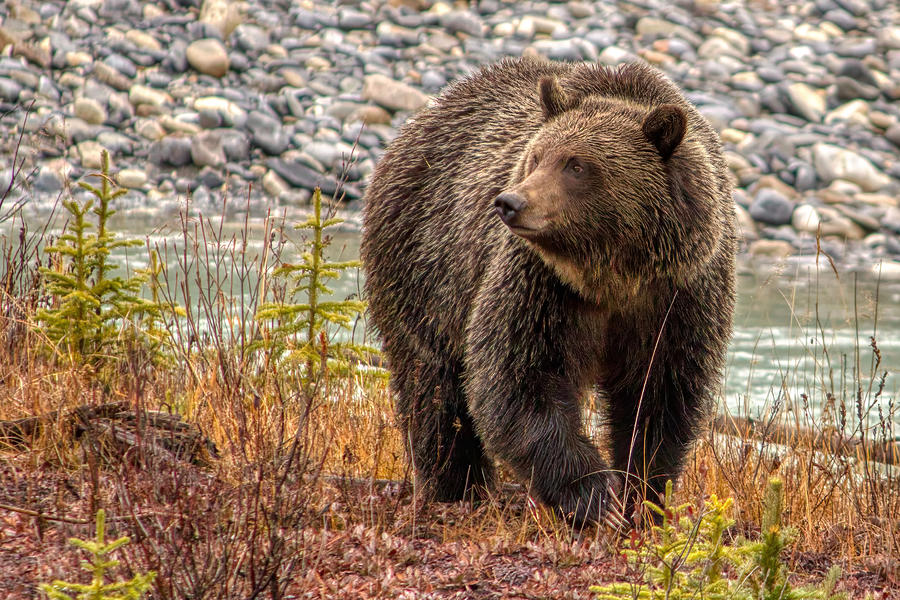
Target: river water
(803,330)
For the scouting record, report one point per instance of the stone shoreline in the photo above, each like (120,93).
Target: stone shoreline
(275,96)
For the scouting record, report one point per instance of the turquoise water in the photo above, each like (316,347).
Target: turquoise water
(800,328)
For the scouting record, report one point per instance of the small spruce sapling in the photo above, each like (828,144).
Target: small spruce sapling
(688,558)
(99,589)
(302,322)
(89,308)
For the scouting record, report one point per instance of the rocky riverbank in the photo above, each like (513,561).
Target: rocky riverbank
(276,96)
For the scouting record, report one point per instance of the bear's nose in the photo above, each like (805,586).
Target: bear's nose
(508,205)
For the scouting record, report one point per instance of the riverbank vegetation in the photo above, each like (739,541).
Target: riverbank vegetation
(230,417)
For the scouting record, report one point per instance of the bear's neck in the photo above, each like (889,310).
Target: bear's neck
(601,285)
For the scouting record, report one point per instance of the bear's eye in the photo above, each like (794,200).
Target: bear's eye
(574,165)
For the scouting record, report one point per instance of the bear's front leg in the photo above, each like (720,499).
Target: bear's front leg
(526,367)
(661,385)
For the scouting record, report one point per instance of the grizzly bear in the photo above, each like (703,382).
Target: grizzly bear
(542,230)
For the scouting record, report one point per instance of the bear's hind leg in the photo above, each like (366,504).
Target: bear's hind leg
(448,456)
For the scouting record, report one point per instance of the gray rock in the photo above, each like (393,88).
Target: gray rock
(121,64)
(210,178)
(9,90)
(176,57)
(267,133)
(858,8)
(463,21)
(433,80)
(558,49)
(235,144)
(841,18)
(172,150)
(771,207)
(250,38)
(850,89)
(354,19)
(117,143)
(389,34)
(117,9)
(207,150)
(893,134)
(48,89)
(46,181)
(301,176)
(891,219)
(120,110)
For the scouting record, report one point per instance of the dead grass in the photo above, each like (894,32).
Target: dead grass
(310,495)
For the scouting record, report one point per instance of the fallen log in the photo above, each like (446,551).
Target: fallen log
(120,429)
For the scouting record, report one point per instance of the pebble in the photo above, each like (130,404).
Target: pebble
(833,162)
(89,110)
(131,178)
(208,56)
(771,207)
(141,94)
(391,94)
(207,150)
(267,133)
(187,93)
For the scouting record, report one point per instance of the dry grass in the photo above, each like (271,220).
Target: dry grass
(310,494)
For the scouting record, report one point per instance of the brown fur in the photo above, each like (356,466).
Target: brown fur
(616,272)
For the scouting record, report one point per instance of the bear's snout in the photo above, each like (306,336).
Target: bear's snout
(508,206)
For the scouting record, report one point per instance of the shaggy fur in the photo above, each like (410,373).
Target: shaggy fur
(612,266)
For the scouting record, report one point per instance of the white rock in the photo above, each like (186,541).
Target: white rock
(526,28)
(855,111)
(746,224)
(736,39)
(142,94)
(142,39)
(889,37)
(501,30)
(805,218)
(771,248)
(274,185)
(131,178)
(90,154)
(228,109)
(209,57)
(224,15)
(613,55)
(808,101)
(833,162)
(89,110)
(150,129)
(393,95)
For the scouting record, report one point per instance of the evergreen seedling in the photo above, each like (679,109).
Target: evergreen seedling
(688,558)
(303,320)
(89,308)
(98,589)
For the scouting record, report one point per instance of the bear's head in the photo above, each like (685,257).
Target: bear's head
(612,188)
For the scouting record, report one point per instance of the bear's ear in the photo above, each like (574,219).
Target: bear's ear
(665,128)
(553,99)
